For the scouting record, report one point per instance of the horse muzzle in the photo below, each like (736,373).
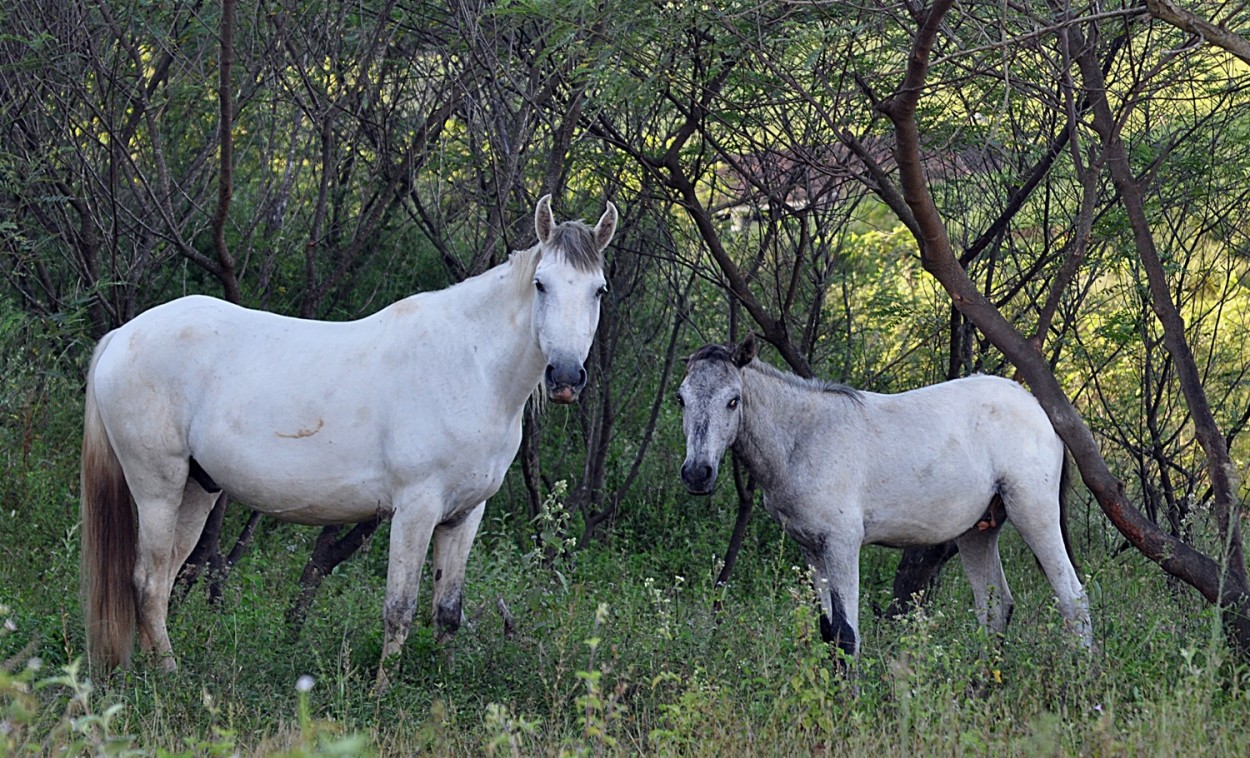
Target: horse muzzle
(699,478)
(564,383)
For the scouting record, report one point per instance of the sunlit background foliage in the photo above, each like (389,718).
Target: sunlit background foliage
(385,148)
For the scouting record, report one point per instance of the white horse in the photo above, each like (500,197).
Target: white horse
(412,413)
(841,468)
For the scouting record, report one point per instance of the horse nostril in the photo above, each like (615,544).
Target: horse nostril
(566,375)
(696,475)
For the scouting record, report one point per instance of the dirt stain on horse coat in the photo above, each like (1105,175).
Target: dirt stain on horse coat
(300,434)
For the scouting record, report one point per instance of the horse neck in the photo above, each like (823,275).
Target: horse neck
(772,409)
(504,313)
(493,312)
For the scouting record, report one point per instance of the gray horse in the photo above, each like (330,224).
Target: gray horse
(841,468)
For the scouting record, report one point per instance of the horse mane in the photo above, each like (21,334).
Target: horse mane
(523,264)
(814,384)
(711,353)
(723,353)
(572,241)
(575,242)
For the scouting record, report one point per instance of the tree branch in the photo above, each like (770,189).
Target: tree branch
(225,183)
(1188,21)
(1173,555)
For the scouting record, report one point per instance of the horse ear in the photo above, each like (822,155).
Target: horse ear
(745,352)
(606,227)
(544,222)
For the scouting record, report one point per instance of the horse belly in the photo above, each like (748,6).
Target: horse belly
(919,512)
(306,502)
(300,479)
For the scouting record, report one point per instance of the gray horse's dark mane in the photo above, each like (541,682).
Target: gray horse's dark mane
(575,240)
(711,353)
(723,353)
(814,384)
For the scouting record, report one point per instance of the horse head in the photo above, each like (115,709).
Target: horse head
(569,283)
(711,409)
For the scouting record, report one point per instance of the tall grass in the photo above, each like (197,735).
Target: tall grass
(609,659)
(616,649)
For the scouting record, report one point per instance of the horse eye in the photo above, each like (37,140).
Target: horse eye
(601,291)
(681,401)
(539,285)
(734,403)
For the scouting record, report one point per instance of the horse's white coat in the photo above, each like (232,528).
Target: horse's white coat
(413,412)
(840,469)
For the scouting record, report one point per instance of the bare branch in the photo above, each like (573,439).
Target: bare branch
(1188,21)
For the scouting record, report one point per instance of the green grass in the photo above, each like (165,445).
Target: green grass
(610,659)
(617,652)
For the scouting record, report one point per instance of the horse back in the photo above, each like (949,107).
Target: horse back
(311,421)
(988,413)
(926,463)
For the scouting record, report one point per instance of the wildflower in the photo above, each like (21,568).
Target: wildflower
(304,683)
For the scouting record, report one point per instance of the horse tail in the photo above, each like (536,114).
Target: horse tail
(1064,478)
(109,542)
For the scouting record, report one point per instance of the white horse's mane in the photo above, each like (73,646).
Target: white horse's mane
(523,264)
(572,241)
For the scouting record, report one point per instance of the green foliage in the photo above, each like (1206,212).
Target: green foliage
(58,715)
(352,188)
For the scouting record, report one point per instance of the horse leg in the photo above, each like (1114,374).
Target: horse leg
(197,503)
(979,552)
(452,542)
(411,528)
(1037,520)
(158,503)
(165,541)
(837,585)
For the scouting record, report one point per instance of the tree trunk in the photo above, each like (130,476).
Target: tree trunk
(208,548)
(917,575)
(328,553)
(919,567)
(1174,556)
(746,505)
(1230,584)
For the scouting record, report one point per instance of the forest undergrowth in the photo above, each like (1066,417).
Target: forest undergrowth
(615,650)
